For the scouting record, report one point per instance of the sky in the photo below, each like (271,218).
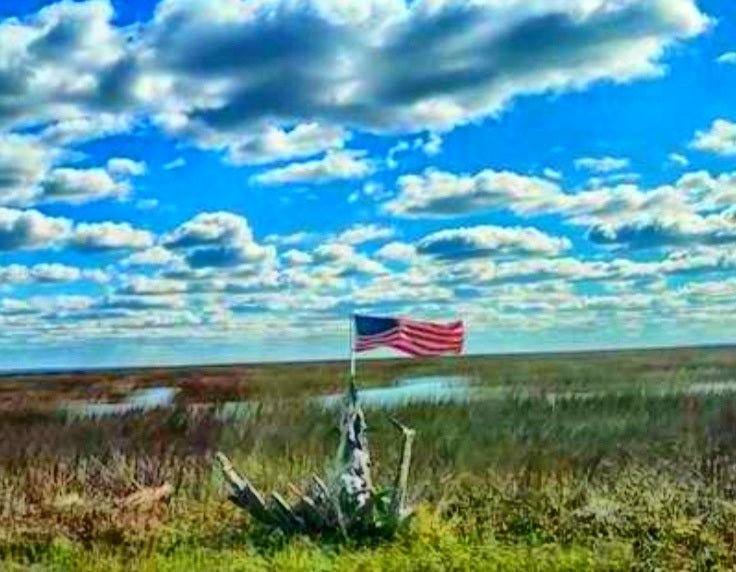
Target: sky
(188,181)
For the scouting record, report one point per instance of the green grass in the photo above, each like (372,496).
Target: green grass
(627,479)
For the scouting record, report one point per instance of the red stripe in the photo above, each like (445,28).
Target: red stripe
(379,335)
(432,348)
(377,343)
(416,350)
(414,346)
(431,337)
(434,328)
(430,344)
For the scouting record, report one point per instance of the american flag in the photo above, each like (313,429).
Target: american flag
(413,337)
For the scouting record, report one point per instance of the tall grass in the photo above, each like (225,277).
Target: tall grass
(617,479)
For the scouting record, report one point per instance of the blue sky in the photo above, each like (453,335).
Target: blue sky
(190,181)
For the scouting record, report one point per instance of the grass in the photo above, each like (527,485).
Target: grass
(622,478)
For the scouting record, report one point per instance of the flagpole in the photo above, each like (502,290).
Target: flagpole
(352,348)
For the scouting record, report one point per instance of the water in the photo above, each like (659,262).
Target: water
(138,400)
(433,390)
(424,390)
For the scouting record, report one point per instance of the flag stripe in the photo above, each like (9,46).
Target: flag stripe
(433,337)
(413,337)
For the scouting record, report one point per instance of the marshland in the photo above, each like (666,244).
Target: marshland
(608,461)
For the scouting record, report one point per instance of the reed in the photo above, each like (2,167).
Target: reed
(624,472)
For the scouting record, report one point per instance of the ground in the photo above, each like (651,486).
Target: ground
(600,461)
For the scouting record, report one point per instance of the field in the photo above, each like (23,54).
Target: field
(600,461)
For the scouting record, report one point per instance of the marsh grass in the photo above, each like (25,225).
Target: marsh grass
(615,480)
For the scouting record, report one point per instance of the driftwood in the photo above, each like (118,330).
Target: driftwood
(348,504)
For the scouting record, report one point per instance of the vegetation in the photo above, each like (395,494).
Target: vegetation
(584,462)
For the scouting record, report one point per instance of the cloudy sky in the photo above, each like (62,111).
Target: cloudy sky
(187,181)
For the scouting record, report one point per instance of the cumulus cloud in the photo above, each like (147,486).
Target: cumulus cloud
(124,167)
(271,143)
(362,233)
(81,185)
(696,207)
(295,257)
(218,239)
(719,139)
(437,193)
(30,229)
(487,240)
(77,130)
(337,259)
(146,286)
(103,236)
(602,164)
(49,273)
(727,58)
(674,230)
(23,165)
(29,175)
(334,166)
(397,252)
(400,66)
(395,66)
(71,88)
(154,256)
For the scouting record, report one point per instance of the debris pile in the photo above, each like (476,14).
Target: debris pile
(346,504)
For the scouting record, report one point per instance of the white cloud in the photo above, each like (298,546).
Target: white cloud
(437,193)
(75,130)
(125,167)
(74,87)
(432,145)
(177,163)
(602,164)
(552,174)
(362,233)
(397,252)
(727,58)
(23,165)
(719,139)
(30,229)
(678,159)
(295,257)
(81,185)
(218,239)
(334,166)
(109,236)
(396,66)
(695,207)
(272,144)
(480,241)
(154,256)
(29,174)
(146,286)
(49,273)
(342,260)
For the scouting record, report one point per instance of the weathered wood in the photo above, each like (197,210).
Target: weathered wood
(316,518)
(244,494)
(325,501)
(307,509)
(346,504)
(398,499)
(320,487)
(281,509)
